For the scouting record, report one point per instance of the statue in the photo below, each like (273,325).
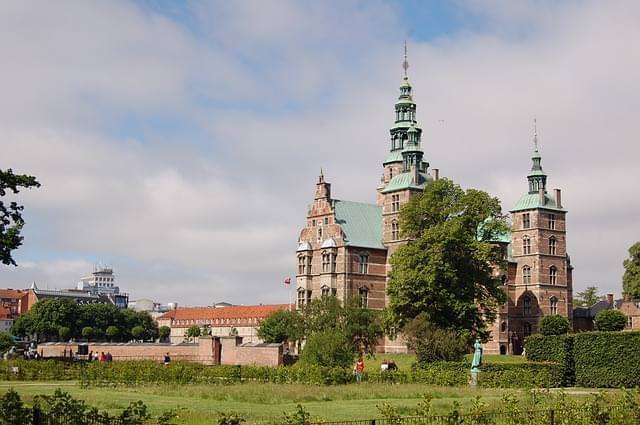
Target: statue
(477,357)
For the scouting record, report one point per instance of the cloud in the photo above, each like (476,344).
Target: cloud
(184,152)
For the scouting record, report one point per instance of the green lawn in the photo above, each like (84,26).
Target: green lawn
(264,403)
(404,361)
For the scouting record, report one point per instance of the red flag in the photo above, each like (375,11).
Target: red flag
(287,281)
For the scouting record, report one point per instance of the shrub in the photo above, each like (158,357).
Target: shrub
(328,348)
(112,332)
(6,342)
(553,348)
(432,343)
(137,332)
(554,325)
(610,320)
(64,332)
(87,332)
(607,359)
(12,410)
(164,332)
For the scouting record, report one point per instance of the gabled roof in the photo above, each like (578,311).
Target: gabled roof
(531,201)
(361,223)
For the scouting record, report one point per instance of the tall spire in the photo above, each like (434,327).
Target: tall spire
(405,63)
(535,135)
(537,178)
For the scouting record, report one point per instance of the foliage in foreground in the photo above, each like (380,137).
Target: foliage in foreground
(447,268)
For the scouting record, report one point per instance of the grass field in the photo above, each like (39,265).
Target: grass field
(265,403)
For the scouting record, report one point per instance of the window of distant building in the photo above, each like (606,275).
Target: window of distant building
(526,329)
(364,264)
(526,245)
(364,297)
(526,274)
(526,305)
(309,292)
(553,305)
(553,275)
(326,220)
(526,221)
(395,203)
(301,264)
(552,221)
(325,291)
(301,298)
(503,327)
(630,322)
(395,230)
(552,245)
(313,222)
(326,262)
(319,233)
(333,263)
(308,259)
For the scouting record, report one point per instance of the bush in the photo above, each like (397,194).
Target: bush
(554,325)
(607,359)
(328,348)
(87,332)
(553,348)
(112,332)
(137,332)
(6,342)
(164,332)
(432,343)
(64,333)
(610,320)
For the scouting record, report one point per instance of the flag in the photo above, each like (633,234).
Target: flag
(287,281)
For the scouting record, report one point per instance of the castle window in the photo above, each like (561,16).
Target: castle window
(333,263)
(553,275)
(395,230)
(301,264)
(526,329)
(325,291)
(526,274)
(630,322)
(319,233)
(364,264)
(326,220)
(526,305)
(308,264)
(552,221)
(526,221)
(552,245)
(308,300)
(526,245)
(326,261)
(313,222)
(395,203)
(301,293)
(553,305)
(503,327)
(364,297)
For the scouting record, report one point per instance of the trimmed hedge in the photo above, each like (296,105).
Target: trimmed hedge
(554,348)
(147,372)
(607,359)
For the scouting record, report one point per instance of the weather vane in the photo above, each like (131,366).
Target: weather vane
(405,63)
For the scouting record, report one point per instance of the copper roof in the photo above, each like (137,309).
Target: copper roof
(234,312)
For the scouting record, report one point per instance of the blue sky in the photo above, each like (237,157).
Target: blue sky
(180,141)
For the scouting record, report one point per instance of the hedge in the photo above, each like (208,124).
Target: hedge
(607,359)
(148,372)
(554,348)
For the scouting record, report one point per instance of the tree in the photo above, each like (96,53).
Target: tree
(11,221)
(6,342)
(330,348)
(281,326)
(554,325)
(447,270)
(12,409)
(87,332)
(46,317)
(587,298)
(112,332)
(432,343)
(132,318)
(610,320)
(631,277)
(137,332)
(64,332)
(193,332)
(164,332)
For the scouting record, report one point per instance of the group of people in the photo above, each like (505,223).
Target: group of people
(385,366)
(102,357)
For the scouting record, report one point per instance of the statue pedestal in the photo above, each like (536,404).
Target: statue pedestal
(474,378)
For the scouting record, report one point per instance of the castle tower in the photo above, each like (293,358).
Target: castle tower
(542,285)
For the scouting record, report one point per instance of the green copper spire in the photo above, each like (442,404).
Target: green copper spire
(537,178)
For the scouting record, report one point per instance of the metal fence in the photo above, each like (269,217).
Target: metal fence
(37,416)
(596,416)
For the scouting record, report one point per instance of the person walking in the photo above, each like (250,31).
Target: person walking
(358,369)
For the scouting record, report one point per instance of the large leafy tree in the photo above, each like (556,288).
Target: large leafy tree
(281,326)
(11,221)
(631,277)
(587,298)
(448,269)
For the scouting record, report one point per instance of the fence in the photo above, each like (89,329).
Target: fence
(36,416)
(595,416)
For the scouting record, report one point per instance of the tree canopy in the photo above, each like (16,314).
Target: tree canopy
(281,326)
(11,221)
(586,298)
(610,320)
(631,277)
(447,269)
(554,325)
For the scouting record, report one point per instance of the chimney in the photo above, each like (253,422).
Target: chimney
(436,174)
(558,198)
(542,198)
(609,296)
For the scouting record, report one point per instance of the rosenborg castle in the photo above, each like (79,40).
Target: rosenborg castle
(345,247)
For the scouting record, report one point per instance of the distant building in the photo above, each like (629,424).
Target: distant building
(583,316)
(631,308)
(241,321)
(6,320)
(155,309)
(102,282)
(81,297)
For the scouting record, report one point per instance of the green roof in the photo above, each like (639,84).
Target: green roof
(531,201)
(394,156)
(361,223)
(405,181)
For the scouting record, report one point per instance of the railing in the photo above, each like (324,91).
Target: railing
(595,416)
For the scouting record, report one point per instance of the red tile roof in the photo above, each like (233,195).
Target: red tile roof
(12,293)
(234,312)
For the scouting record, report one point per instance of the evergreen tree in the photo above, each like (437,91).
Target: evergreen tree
(631,277)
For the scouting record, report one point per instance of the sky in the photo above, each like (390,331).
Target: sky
(180,142)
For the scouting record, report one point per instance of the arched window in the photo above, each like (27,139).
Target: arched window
(526,245)
(319,233)
(553,305)
(301,264)
(503,327)
(301,294)
(333,263)
(395,230)
(364,264)
(526,329)
(395,203)
(326,262)
(526,305)
(325,291)
(364,296)
(552,245)
(526,274)
(553,275)
(308,259)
